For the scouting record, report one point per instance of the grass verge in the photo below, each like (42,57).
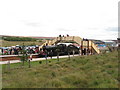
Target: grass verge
(97,71)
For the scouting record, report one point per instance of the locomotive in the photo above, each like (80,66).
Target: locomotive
(61,49)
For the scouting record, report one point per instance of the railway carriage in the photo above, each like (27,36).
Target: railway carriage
(61,49)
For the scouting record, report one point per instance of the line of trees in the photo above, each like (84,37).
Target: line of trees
(18,38)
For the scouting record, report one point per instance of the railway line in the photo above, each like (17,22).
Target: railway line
(84,44)
(35,58)
(14,57)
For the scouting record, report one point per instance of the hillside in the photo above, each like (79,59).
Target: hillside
(97,71)
(7,40)
(36,37)
(13,43)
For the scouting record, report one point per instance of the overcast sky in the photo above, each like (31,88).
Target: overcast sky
(93,19)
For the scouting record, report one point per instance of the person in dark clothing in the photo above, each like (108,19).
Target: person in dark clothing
(83,39)
(86,39)
(67,35)
(2,51)
(10,51)
(46,44)
(59,35)
(15,51)
(45,52)
(31,51)
(88,51)
(84,51)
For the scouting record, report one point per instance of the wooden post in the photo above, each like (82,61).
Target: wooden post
(23,59)
(29,63)
(73,38)
(51,57)
(69,55)
(58,56)
(46,59)
(46,53)
(9,65)
(73,53)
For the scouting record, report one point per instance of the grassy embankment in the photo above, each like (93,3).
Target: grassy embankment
(97,71)
(13,43)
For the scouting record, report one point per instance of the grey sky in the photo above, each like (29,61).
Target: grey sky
(96,19)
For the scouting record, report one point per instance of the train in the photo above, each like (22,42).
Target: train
(61,49)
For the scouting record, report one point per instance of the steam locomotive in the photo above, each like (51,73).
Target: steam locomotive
(61,49)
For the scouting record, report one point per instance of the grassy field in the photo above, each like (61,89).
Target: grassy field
(13,43)
(97,71)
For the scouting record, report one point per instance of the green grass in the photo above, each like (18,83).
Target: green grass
(97,71)
(13,43)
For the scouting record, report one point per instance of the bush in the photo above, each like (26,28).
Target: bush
(40,62)
(53,74)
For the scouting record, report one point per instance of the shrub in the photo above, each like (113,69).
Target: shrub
(40,62)
(53,74)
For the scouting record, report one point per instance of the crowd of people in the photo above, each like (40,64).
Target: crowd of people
(18,50)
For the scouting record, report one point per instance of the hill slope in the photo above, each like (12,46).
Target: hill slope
(14,43)
(97,71)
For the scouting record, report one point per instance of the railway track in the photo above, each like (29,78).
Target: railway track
(36,59)
(14,57)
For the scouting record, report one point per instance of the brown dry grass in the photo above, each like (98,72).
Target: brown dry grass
(13,43)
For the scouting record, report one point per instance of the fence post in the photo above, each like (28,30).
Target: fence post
(9,65)
(46,59)
(69,56)
(29,63)
(58,56)
(73,53)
